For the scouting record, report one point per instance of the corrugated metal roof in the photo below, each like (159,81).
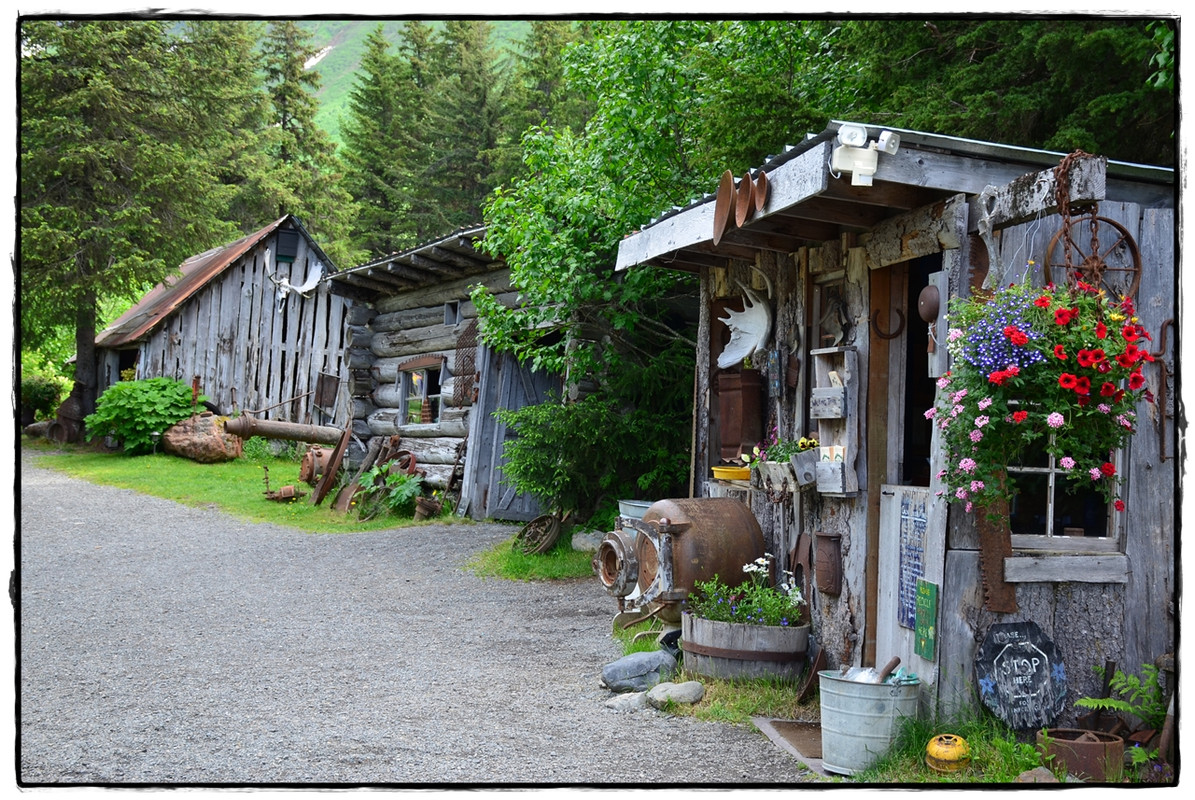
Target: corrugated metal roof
(456,255)
(195,273)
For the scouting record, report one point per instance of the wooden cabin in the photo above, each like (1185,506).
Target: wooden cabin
(418,369)
(254,323)
(837,239)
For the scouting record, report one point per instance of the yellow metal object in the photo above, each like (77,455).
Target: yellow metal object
(947,753)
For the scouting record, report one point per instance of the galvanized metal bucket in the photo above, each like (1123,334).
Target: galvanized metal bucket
(861,720)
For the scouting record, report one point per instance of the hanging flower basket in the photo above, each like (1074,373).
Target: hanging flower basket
(1057,368)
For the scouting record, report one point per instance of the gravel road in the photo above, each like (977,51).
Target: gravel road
(168,645)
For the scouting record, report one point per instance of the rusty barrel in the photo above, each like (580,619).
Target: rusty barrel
(721,535)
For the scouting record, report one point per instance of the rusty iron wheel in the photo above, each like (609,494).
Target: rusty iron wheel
(538,535)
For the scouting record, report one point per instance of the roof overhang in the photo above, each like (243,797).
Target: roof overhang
(450,258)
(809,202)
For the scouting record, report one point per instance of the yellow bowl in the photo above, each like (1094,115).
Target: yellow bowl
(732,473)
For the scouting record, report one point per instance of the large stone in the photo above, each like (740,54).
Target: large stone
(202,438)
(627,702)
(688,693)
(638,672)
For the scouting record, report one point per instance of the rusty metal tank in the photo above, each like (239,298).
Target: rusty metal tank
(655,561)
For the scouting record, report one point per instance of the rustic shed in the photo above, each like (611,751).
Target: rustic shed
(253,322)
(832,245)
(419,371)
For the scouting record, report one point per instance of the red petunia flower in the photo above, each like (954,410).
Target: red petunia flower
(1043,301)
(1019,416)
(1129,332)
(1108,468)
(1107,390)
(1062,316)
(1019,339)
(1085,359)
(1136,381)
(1083,386)
(1068,381)
(1104,366)
(1060,352)
(1101,330)
(1125,360)
(1119,505)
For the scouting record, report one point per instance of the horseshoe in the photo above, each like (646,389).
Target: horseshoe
(875,316)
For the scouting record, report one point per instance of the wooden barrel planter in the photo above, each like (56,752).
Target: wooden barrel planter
(737,650)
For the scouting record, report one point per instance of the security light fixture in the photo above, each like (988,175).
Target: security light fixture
(854,155)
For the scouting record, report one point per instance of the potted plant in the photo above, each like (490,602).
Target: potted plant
(752,630)
(783,460)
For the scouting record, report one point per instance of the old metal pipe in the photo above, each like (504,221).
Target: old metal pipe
(245,427)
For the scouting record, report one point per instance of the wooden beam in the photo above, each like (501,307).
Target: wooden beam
(1111,568)
(921,232)
(1028,196)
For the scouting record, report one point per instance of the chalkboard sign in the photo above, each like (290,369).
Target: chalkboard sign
(925,632)
(1020,676)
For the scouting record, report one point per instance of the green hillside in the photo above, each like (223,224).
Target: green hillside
(346,42)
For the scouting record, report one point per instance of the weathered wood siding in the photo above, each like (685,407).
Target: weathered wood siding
(251,352)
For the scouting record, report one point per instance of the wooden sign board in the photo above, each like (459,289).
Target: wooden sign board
(925,630)
(1020,676)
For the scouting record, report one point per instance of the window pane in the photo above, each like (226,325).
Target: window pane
(1080,513)
(1028,510)
(1035,455)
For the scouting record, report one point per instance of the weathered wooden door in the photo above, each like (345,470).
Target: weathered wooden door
(504,384)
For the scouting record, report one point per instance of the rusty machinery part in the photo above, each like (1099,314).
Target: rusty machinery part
(896,331)
(1109,258)
(314,464)
(680,542)
(616,564)
(947,753)
(538,535)
(286,494)
(245,427)
(329,478)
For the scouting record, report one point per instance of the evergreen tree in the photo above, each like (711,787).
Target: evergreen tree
(115,188)
(465,120)
(378,151)
(304,157)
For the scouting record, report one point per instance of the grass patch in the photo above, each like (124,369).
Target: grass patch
(996,755)
(504,560)
(234,487)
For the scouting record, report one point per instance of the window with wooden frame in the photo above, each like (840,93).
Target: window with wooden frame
(419,390)
(1052,514)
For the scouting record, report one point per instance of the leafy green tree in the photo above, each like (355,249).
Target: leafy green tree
(115,190)
(1057,83)
(304,157)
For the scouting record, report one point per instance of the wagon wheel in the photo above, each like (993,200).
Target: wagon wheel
(1107,258)
(538,535)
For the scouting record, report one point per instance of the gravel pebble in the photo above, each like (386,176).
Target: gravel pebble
(167,645)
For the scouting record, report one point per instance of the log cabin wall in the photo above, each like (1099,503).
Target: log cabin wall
(427,328)
(251,351)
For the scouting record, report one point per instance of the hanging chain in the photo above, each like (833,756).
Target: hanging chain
(1062,193)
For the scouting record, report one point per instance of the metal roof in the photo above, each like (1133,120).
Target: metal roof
(456,255)
(806,206)
(194,274)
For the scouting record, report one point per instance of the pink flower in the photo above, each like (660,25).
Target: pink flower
(954,334)
(960,493)
(1104,408)
(976,435)
(967,465)
(943,382)
(958,396)
(981,421)
(969,506)
(1055,420)
(930,413)
(977,486)
(1067,462)
(984,403)
(1095,473)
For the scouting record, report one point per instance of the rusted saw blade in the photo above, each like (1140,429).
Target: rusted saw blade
(744,201)
(723,205)
(995,545)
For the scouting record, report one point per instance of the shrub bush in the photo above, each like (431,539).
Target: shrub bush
(41,393)
(132,411)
